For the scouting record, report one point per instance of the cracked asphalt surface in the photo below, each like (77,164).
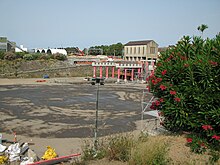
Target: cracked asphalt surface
(67,111)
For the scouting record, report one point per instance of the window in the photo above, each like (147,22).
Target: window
(143,50)
(139,50)
(130,50)
(126,50)
(152,50)
(134,50)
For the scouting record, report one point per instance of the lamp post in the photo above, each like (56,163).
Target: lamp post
(98,81)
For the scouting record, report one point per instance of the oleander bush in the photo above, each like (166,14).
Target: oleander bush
(186,82)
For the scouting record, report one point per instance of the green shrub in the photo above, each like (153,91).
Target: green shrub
(120,147)
(28,57)
(187,85)
(59,56)
(90,153)
(20,54)
(186,81)
(117,147)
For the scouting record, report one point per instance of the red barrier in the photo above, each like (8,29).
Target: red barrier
(55,160)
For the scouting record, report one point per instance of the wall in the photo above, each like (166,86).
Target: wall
(38,68)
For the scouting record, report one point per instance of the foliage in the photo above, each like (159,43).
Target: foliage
(44,56)
(149,152)
(2,55)
(202,27)
(126,148)
(28,57)
(114,49)
(20,54)
(89,153)
(9,56)
(59,56)
(187,84)
(120,148)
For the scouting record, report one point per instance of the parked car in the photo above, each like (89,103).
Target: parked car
(97,80)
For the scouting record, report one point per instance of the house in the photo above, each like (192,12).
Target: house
(141,50)
(6,45)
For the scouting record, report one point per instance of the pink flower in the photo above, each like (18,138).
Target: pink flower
(177,99)
(162,87)
(154,82)
(172,92)
(189,140)
(216,137)
(207,127)
(152,107)
(161,100)
(164,72)
(159,80)
(202,144)
(157,103)
(213,63)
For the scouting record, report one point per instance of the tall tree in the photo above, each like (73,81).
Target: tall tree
(202,28)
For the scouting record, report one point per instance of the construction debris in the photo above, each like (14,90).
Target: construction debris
(13,152)
(23,155)
(49,154)
(3,159)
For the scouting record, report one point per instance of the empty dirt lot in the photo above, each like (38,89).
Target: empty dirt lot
(63,112)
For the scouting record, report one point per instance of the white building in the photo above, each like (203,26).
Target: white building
(141,50)
(51,51)
(21,49)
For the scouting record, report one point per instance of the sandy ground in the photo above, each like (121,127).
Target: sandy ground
(63,146)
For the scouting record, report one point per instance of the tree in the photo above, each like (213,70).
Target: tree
(202,28)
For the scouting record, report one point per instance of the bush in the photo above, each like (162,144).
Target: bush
(44,57)
(150,152)
(20,54)
(117,147)
(10,56)
(28,57)
(59,56)
(120,147)
(186,83)
(90,153)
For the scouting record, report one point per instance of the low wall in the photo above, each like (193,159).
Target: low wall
(37,69)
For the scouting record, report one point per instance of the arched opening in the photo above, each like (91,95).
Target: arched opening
(49,51)
(38,51)
(43,51)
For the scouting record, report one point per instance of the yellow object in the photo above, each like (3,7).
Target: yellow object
(3,159)
(49,154)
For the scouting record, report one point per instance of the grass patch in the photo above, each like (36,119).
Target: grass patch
(126,148)
(151,151)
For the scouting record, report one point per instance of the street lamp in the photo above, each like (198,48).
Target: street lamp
(101,82)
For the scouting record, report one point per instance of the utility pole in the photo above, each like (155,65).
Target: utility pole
(96,117)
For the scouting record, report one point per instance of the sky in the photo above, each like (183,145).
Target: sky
(86,23)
